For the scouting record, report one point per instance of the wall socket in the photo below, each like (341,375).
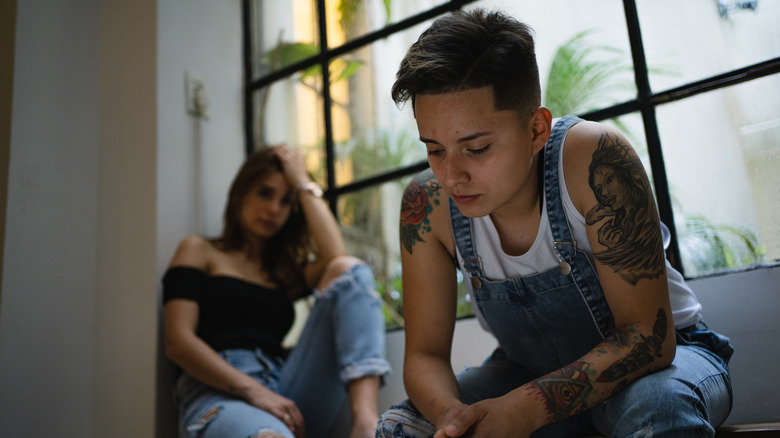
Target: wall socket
(197,103)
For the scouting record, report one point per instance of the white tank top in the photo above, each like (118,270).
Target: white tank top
(498,265)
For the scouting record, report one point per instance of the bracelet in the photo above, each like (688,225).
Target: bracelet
(312,188)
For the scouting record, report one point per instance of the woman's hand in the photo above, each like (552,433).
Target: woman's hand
(279,406)
(293,165)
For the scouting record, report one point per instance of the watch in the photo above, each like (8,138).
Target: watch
(312,188)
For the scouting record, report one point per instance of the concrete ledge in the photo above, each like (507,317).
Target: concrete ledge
(757,430)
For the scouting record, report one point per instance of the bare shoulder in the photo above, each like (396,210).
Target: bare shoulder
(425,214)
(195,251)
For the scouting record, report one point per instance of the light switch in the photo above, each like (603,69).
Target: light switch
(197,98)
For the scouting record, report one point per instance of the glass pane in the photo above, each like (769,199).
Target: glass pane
(583,51)
(632,126)
(352,19)
(371,134)
(369,220)
(724,174)
(686,41)
(285,32)
(290,111)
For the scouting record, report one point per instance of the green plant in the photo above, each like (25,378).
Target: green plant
(348,12)
(286,53)
(369,153)
(707,247)
(585,76)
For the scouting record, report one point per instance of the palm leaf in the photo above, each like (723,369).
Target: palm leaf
(708,247)
(583,76)
(285,54)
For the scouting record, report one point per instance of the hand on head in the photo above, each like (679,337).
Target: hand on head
(293,165)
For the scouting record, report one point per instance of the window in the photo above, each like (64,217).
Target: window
(700,102)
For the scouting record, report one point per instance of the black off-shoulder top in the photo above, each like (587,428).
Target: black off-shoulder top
(233,313)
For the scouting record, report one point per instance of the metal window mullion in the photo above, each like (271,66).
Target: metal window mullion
(355,44)
(247,49)
(653,138)
(327,104)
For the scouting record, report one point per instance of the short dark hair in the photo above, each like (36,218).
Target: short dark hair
(464,50)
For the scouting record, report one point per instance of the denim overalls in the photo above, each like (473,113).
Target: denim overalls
(545,321)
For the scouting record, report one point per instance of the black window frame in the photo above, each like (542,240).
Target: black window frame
(644,103)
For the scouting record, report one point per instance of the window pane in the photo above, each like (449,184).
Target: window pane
(724,174)
(290,111)
(632,127)
(369,220)
(583,52)
(348,20)
(370,223)
(686,41)
(371,133)
(285,32)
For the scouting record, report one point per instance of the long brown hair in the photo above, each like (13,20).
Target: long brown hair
(284,254)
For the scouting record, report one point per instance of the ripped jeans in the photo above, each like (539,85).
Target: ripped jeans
(343,339)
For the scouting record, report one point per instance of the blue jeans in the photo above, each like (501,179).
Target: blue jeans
(683,400)
(343,339)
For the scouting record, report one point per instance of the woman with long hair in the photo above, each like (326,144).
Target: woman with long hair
(229,305)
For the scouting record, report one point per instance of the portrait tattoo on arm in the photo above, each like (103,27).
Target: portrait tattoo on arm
(629,227)
(419,198)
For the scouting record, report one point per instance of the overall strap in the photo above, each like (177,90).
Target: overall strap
(563,241)
(461,229)
(581,271)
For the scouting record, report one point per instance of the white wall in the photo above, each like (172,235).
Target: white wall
(102,185)
(196,158)
(743,306)
(48,318)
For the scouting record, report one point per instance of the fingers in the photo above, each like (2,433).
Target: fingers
(292,164)
(299,426)
(293,419)
(286,410)
(288,155)
(455,422)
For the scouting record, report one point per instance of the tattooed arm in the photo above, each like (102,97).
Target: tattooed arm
(608,185)
(430,297)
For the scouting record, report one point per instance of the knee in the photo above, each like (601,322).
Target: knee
(268,433)
(235,419)
(337,267)
(403,421)
(648,409)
